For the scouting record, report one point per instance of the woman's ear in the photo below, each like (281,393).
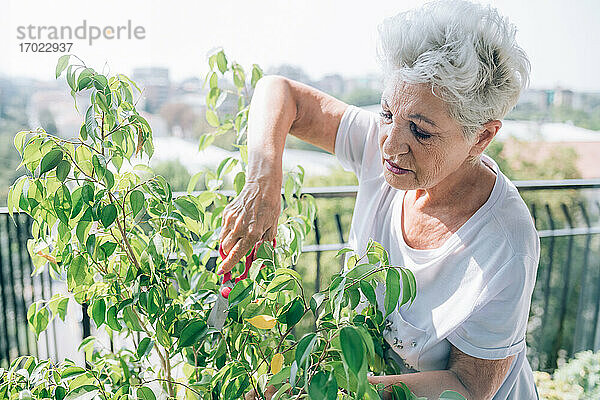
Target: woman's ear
(485,136)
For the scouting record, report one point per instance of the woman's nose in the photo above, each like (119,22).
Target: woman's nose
(395,143)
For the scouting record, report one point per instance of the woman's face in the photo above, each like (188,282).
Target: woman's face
(417,135)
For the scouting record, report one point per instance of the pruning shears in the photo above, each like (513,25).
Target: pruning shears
(217,315)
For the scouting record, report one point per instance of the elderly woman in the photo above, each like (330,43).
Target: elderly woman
(426,192)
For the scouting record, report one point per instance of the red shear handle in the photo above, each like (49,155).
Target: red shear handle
(249,259)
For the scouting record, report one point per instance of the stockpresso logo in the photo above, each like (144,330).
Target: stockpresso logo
(64,36)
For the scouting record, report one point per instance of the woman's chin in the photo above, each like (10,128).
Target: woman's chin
(400,181)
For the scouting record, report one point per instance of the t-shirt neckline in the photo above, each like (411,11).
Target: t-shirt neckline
(455,238)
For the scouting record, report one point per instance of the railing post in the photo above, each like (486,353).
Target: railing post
(597,308)
(318,257)
(6,349)
(20,239)
(12,282)
(579,343)
(547,287)
(338,221)
(564,296)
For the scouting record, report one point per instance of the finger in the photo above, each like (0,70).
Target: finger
(229,241)
(269,235)
(240,248)
(226,226)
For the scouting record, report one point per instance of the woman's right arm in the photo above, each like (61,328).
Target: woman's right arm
(279,105)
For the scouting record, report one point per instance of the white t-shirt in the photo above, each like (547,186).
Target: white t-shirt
(474,291)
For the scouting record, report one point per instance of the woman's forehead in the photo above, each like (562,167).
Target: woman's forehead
(412,99)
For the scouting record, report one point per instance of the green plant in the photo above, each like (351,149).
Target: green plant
(140,260)
(578,378)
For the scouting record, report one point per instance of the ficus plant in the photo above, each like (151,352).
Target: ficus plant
(142,261)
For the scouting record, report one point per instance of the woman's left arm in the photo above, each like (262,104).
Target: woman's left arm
(474,378)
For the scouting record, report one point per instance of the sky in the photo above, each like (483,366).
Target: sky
(561,37)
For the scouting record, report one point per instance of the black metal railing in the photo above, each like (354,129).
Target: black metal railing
(564,316)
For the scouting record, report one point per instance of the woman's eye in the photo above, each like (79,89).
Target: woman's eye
(418,133)
(387,116)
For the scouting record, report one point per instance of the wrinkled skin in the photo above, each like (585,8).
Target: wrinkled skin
(445,181)
(252,216)
(437,156)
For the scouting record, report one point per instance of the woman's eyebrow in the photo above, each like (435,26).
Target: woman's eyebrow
(420,117)
(423,118)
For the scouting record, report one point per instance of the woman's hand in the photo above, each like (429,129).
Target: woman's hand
(269,392)
(251,217)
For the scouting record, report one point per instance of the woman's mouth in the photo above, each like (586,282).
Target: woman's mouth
(395,168)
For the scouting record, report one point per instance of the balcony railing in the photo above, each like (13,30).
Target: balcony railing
(565,309)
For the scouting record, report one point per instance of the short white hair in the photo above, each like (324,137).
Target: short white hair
(468,51)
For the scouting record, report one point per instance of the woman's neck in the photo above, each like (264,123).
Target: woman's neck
(469,187)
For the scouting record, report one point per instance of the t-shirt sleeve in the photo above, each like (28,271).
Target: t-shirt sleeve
(356,133)
(497,326)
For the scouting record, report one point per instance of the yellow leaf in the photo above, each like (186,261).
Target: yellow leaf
(276,363)
(262,321)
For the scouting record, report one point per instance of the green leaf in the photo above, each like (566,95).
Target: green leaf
(108,215)
(19,141)
(71,79)
(106,249)
(90,244)
(412,283)
(62,204)
(58,306)
(221,62)
(40,321)
(205,141)
(111,319)
(144,347)
(70,372)
(353,348)
(323,386)
(257,73)
(280,282)
(77,271)
(292,312)
(137,200)
(369,292)
(187,208)
(354,296)
(304,348)
(359,271)
(62,170)
(212,118)
(90,121)
(239,181)
(145,393)
(85,392)
(50,160)
(131,320)
(161,334)
(406,292)
(102,102)
(342,251)
(451,395)
(98,311)
(392,291)
(226,166)
(315,302)
(100,82)
(193,332)
(240,291)
(59,393)
(63,61)
(84,79)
